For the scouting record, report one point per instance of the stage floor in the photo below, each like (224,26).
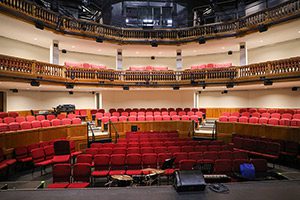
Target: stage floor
(266,190)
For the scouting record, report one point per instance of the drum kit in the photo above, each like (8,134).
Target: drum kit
(149,177)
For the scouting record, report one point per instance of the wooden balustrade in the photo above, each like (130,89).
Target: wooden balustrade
(85,28)
(17,67)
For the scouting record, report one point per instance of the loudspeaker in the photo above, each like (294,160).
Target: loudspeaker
(191,180)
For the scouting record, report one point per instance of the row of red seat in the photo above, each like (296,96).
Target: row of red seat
(211,65)
(275,119)
(5,163)
(64,176)
(287,148)
(270,110)
(266,149)
(150,135)
(31,118)
(26,125)
(84,65)
(143,148)
(120,110)
(8,114)
(148,68)
(149,113)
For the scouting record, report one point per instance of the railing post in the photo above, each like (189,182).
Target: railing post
(33,67)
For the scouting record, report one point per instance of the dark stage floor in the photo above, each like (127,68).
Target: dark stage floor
(266,190)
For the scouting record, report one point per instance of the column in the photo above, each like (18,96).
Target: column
(119,60)
(196,97)
(243,54)
(98,100)
(178,59)
(54,52)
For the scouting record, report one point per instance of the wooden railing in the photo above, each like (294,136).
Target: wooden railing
(32,13)
(30,69)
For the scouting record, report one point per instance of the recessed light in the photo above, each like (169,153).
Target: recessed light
(73,46)
(160,52)
(194,50)
(298,31)
(137,52)
(35,39)
(99,50)
(261,41)
(223,47)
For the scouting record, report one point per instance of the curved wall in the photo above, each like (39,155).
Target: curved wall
(271,52)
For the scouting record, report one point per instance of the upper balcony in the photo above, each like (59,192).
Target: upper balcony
(23,70)
(42,17)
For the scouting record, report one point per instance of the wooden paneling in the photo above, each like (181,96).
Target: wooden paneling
(265,131)
(10,140)
(183,127)
(216,112)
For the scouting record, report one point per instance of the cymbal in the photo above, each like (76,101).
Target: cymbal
(153,171)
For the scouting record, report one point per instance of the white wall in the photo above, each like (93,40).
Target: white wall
(268,98)
(35,100)
(147,99)
(23,50)
(274,52)
(145,61)
(189,61)
(271,52)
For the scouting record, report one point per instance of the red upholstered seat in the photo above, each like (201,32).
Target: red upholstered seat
(187,164)
(50,117)
(36,124)
(223,166)
(66,121)
(223,119)
(8,120)
(76,121)
(61,159)
(40,117)
(14,126)
(78,185)
(58,185)
(20,119)
(56,122)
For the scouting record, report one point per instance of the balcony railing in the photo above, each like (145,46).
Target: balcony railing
(29,69)
(32,13)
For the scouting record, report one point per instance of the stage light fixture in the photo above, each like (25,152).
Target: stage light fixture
(154,43)
(262,28)
(35,83)
(176,87)
(294,88)
(125,87)
(39,25)
(268,82)
(229,52)
(230,85)
(224,92)
(64,51)
(69,86)
(14,90)
(71,92)
(99,39)
(201,40)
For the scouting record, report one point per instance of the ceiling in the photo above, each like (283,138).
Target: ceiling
(18,30)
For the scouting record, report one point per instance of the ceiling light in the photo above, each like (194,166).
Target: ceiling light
(137,52)
(223,47)
(268,82)
(160,52)
(262,28)
(99,39)
(201,40)
(99,50)
(73,47)
(35,39)
(261,41)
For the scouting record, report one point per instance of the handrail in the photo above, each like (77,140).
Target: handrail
(31,69)
(32,12)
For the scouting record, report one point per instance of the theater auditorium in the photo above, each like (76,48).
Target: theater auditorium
(150,99)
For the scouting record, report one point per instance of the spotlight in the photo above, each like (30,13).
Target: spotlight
(152,57)
(64,51)
(14,90)
(193,82)
(229,53)
(99,39)
(125,87)
(268,82)
(71,92)
(224,92)
(262,28)
(69,86)
(39,25)
(203,84)
(93,92)
(201,40)
(230,85)
(35,83)
(154,43)
(176,87)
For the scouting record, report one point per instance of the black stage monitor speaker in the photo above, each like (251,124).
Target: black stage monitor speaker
(191,180)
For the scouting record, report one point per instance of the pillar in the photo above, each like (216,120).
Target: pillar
(119,60)
(54,52)
(243,54)
(178,59)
